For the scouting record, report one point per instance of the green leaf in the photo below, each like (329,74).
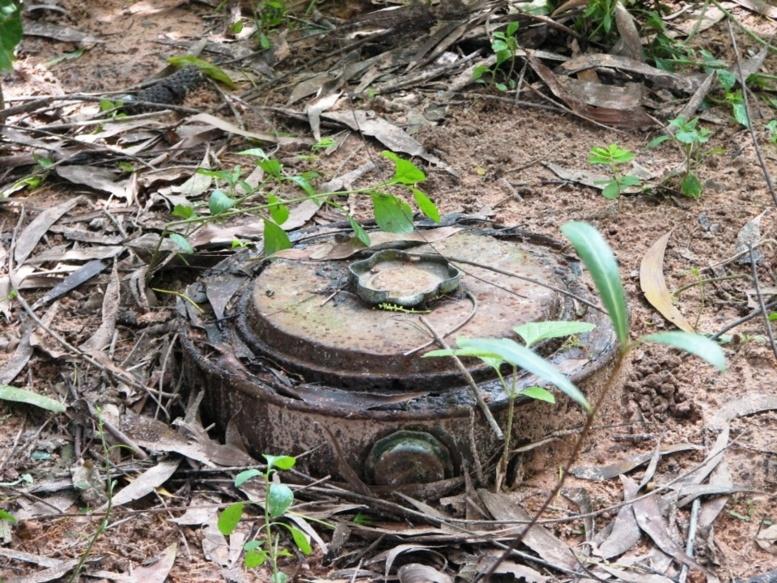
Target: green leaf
(425,205)
(359,231)
(600,261)
(740,113)
(611,191)
(181,242)
(7,516)
(254,558)
(611,155)
(246,475)
(691,186)
(301,540)
(405,172)
(491,360)
(230,517)
(208,69)
(279,499)
(10,32)
(772,316)
(219,202)
(279,577)
(695,344)
(538,394)
(182,211)
(657,141)
(282,462)
(391,214)
(630,180)
(275,239)
(278,211)
(304,184)
(272,167)
(535,332)
(9,393)
(518,355)
(254,153)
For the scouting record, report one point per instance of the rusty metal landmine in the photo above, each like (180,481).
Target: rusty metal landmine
(289,352)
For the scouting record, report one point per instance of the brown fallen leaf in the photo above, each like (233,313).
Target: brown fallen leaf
(746,404)
(617,468)
(653,284)
(54,573)
(625,531)
(761,7)
(33,232)
(158,569)
(418,573)
(710,509)
(59,32)
(19,359)
(101,179)
(145,483)
(230,128)
(110,312)
(627,29)
(149,7)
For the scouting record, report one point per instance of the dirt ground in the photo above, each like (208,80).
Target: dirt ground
(496,152)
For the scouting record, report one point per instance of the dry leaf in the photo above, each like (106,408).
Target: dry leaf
(417,573)
(625,530)
(110,312)
(231,128)
(33,232)
(653,284)
(145,483)
(746,404)
(94,177)
(159,568)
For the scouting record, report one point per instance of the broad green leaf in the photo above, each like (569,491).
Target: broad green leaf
(425,205)
(630,180)
(219,202)
(182,211)
(7,516)
(405,172)
(301,540)
(695,344)
(655,142)
(520,356)
(254,558)
(246,475)
(359,231)
(392,214)
(278,211)
(275,239)
(279,499)
(209,69)
(600,261)
(9,393)
(181,242)
(279,577)
(535,332)
(282,462)
(691,186)
(272,167)
(538,394)
(611,191)
(230,517)
(10,32)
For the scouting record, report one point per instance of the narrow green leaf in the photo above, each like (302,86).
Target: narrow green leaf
(405,172)
(301,540)
(538,394)
(535,332)
(304,184)
(209,69)
(246,475)
(359,231)
(181,242)
(425,205)
(9,393)
(655,142)
(219,202)
(272,167)
(600,261)
(391,214)
(488,358)
(254,153)
(279,499)
(282,462)
(275,239)
(230,517)
(695,344)
(520,356)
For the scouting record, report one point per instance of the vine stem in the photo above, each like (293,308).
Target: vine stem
(611,381)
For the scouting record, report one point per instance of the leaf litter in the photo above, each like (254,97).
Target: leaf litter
(625,92)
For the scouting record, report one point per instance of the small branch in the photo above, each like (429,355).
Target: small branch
(691,538)
(761,302)
(743,83)
(470,381)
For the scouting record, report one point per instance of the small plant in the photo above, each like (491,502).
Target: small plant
(771,127)
(269,14)
(497,353)
(690,137)
(613,156)
(278,499)
(504,44)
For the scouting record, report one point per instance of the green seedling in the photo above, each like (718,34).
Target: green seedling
(690,138)
(771,127)
(278,499)
(613,156)
(504,44)
(269,15)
